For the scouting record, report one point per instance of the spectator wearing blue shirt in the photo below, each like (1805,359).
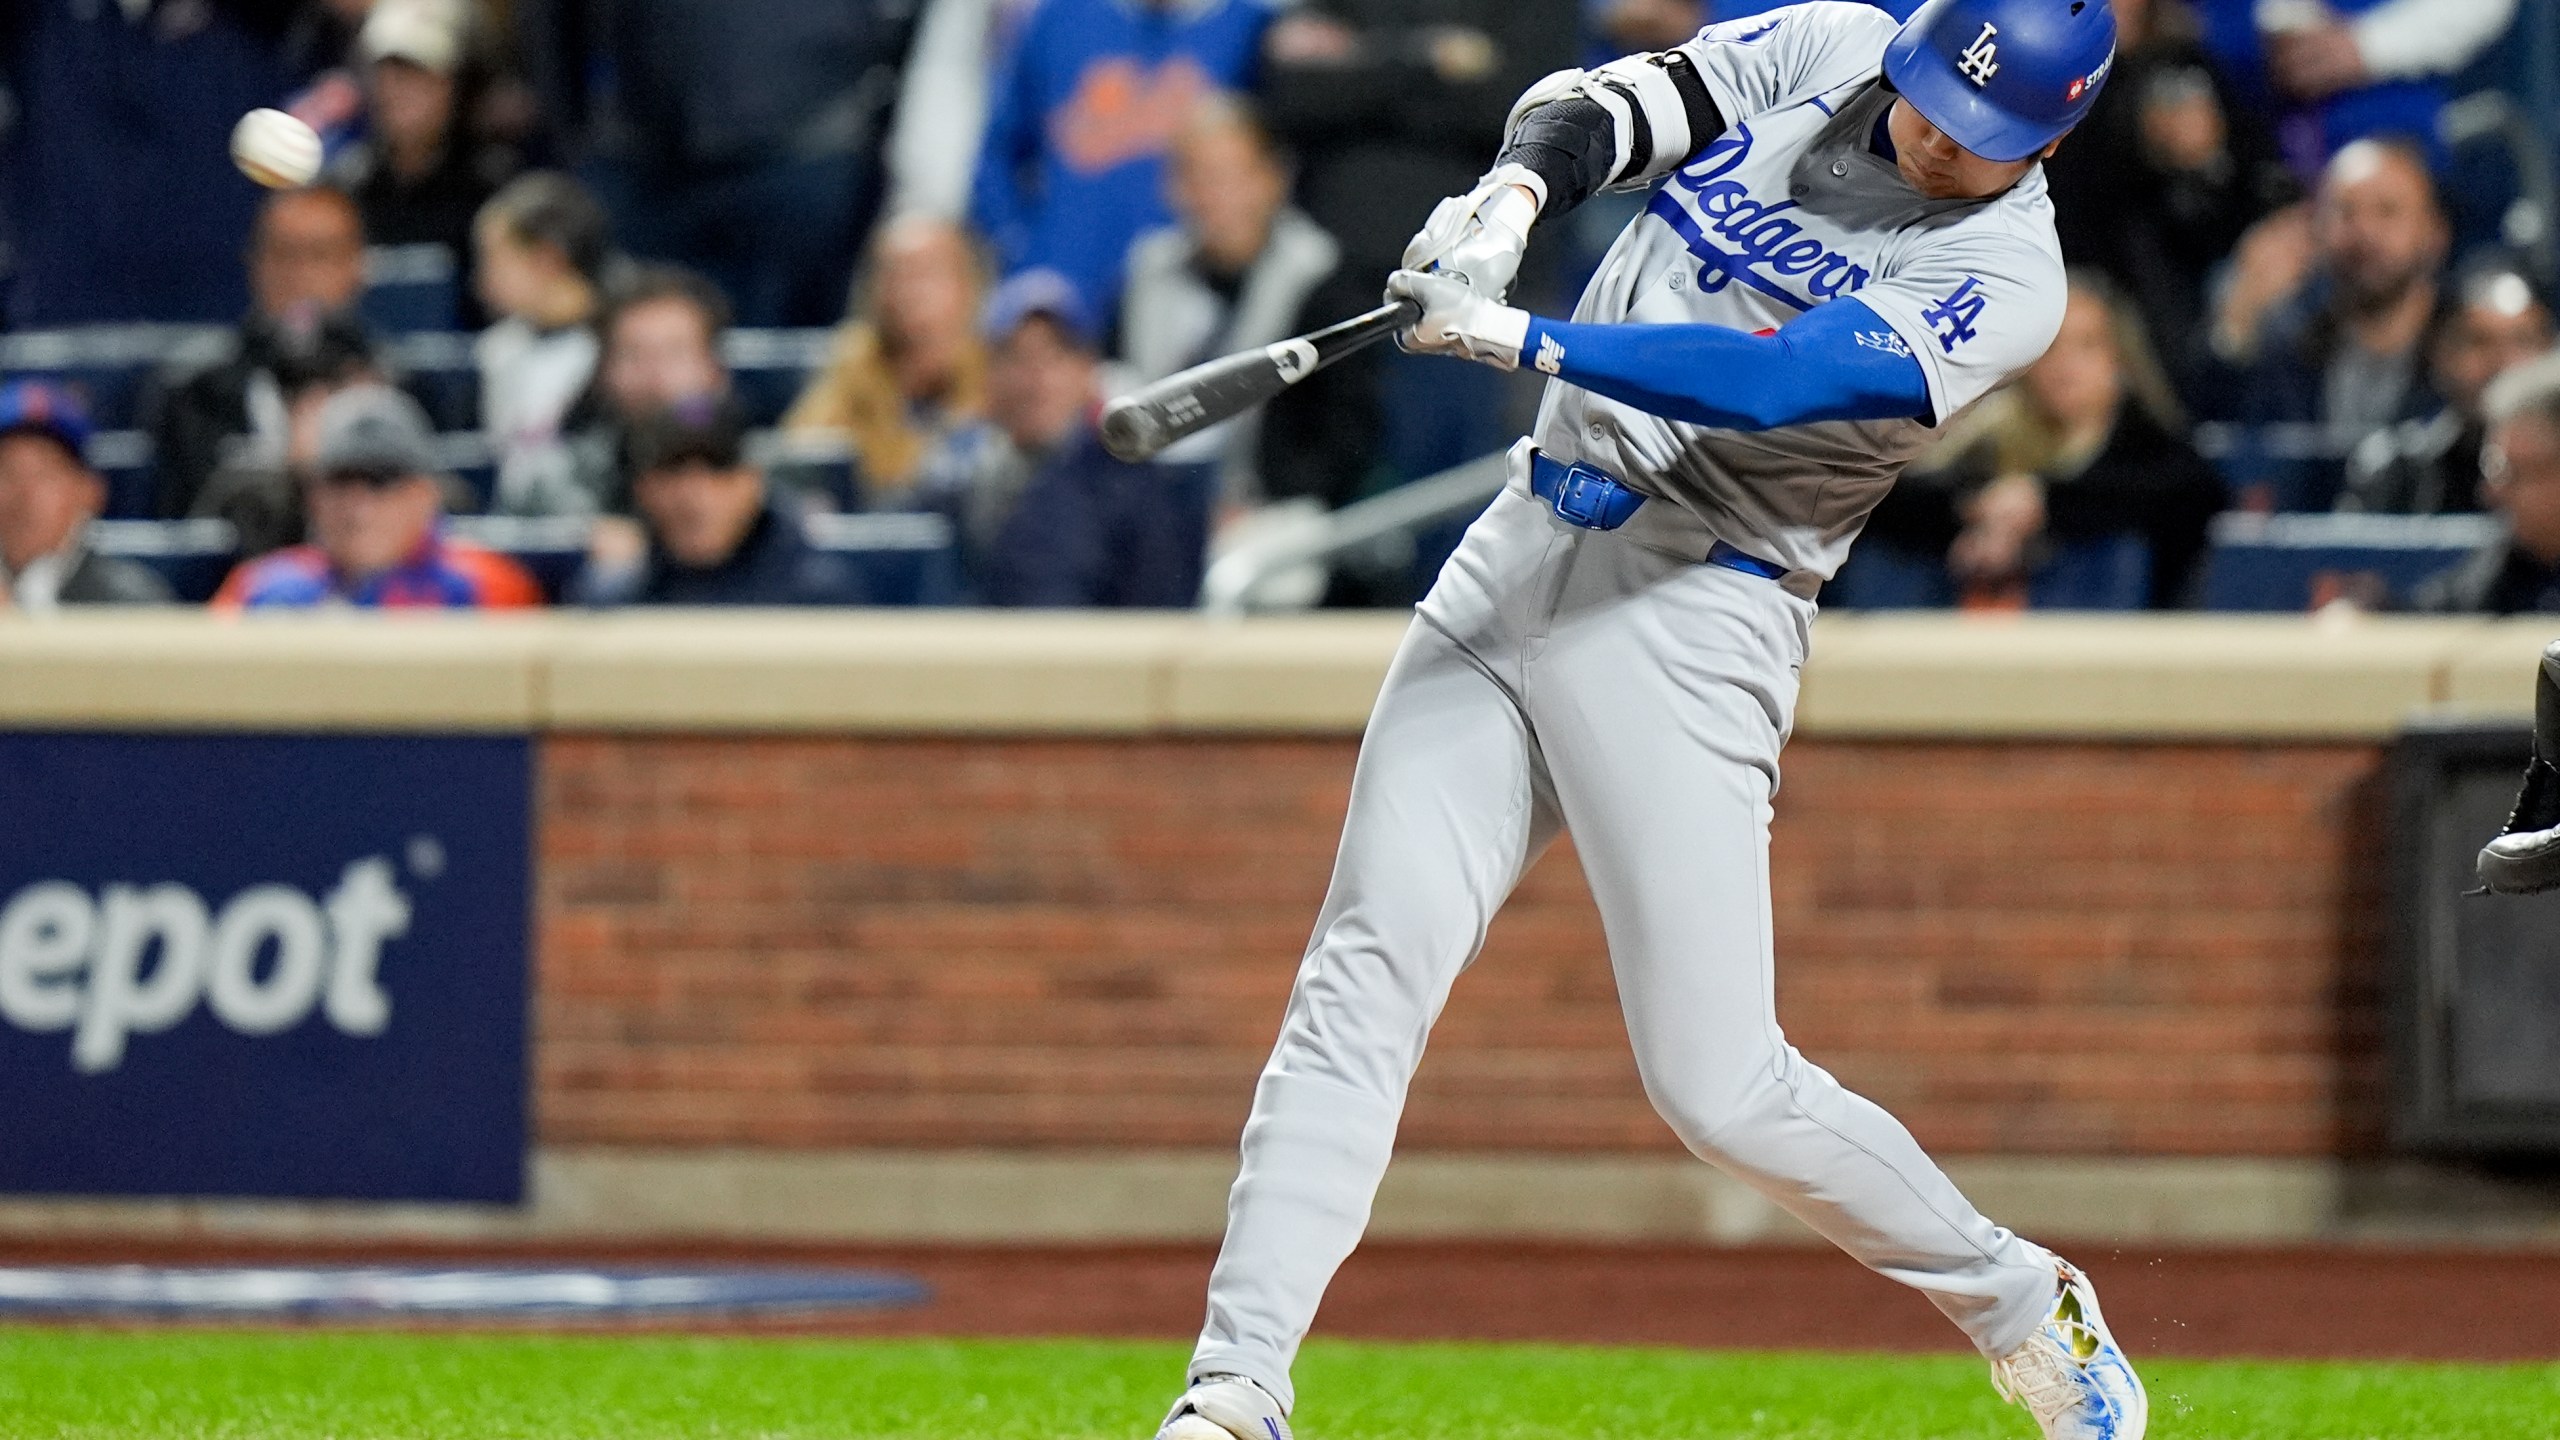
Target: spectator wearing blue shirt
(1085,107)
(1046,516)
(2337,71)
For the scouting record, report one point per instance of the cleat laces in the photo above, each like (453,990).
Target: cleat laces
(2048,1374)
(2538,804)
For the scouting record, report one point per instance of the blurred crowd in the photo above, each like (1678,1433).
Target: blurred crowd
(2309,275)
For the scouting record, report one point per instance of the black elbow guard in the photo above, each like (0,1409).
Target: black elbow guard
(1568,143)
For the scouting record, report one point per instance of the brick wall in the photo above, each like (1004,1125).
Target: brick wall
(2069,948)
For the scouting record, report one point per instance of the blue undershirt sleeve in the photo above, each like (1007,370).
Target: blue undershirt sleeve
(1839,362)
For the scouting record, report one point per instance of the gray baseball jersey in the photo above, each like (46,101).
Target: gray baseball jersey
(1789,209)
(1608,682)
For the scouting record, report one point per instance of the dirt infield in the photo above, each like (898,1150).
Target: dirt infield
(2334,1303)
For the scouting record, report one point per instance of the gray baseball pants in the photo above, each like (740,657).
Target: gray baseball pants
(1608,683)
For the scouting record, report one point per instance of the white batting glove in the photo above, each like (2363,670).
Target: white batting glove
(1459,320)
(1479,236)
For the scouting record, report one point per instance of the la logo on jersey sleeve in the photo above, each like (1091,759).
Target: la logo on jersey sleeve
(1953,319)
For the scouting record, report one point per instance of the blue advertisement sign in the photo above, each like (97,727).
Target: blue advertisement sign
(252,965)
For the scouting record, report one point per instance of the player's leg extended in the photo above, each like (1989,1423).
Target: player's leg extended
(1662,711)
(1448,805)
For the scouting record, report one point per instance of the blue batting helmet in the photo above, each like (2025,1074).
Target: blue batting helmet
(2003,78)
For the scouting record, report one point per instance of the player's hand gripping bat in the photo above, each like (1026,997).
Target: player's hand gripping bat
(1135,427)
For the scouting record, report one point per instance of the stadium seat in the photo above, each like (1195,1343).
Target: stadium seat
(1879,575)
(2299,562)
(769,368)
(553,548)
(409,288)
(2289,467)
(2112,572)
(436,367)
(466,455)
(109,366)
(124,457)
(905,558)
(819,468)
(193,556)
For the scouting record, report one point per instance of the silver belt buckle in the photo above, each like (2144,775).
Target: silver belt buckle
(1575,502)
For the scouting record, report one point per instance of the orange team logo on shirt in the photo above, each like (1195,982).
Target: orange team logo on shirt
(1122,111)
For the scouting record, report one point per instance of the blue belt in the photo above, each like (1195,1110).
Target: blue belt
(1593,499)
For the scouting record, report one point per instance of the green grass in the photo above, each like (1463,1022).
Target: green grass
(86,1385)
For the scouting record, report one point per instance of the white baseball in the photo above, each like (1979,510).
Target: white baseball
(275,149)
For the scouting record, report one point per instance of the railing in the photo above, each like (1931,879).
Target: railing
(1241,580)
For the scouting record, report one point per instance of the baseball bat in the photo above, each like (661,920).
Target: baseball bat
(1137,426)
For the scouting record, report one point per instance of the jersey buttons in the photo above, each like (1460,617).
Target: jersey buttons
(1679,281)
(1839,168)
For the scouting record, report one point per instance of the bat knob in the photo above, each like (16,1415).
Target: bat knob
(1131,430)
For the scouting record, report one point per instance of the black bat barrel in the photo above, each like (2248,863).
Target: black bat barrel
(1138,426)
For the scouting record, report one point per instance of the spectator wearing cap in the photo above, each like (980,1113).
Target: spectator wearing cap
(543,245)
(2325,314)
(259,491)
(375,499)
(661,329)
(908,368)
(2493,319)
(48,496)
(419,174)
(1085,105)
(2519,572)
(306,273)
(1046,516)
(715,534)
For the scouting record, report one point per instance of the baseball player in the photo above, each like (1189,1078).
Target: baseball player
(1848,242)
(2525,857)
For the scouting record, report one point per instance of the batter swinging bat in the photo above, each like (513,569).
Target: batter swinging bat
(1135,427)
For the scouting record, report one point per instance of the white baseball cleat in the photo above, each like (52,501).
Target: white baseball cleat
(2070,1374)
(1225,1407)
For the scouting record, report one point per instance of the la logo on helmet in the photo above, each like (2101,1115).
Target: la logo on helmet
(1981,59)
